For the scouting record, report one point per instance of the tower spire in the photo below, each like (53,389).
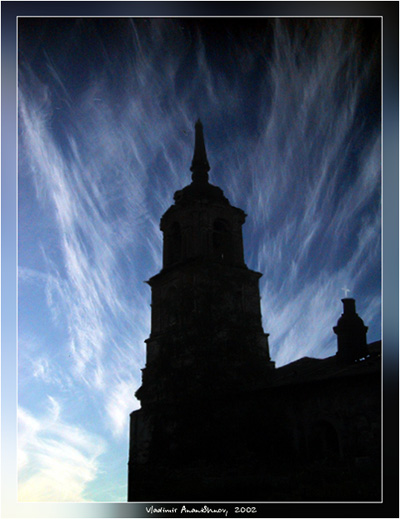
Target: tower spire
(200,165)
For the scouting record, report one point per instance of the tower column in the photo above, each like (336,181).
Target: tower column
(351,334)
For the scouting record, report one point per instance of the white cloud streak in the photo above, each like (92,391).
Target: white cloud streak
(56,461)
(89,243)
(298,157)
(106,175)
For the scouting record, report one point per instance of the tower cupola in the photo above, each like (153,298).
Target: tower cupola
(202,223)
(351,334)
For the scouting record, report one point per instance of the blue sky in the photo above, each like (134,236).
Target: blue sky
(291,115)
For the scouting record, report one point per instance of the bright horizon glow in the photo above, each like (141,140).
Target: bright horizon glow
(107,108)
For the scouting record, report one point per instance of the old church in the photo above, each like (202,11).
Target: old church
(218,421)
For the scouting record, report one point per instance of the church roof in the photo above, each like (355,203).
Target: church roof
(308,369)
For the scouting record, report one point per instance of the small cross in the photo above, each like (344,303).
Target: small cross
(346,291)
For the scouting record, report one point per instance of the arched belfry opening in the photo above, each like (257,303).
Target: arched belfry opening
(170,307)
(222,240)
(175,243)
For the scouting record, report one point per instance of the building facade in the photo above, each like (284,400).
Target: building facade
(217,420)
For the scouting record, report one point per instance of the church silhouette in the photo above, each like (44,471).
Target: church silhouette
(218,421)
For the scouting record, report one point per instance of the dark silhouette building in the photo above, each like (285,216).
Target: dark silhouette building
(218,421)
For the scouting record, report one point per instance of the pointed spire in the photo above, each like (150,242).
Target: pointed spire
(200,165)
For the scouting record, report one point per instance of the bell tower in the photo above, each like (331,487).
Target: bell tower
(206,332)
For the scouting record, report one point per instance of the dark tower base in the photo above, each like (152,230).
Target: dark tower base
(302,438)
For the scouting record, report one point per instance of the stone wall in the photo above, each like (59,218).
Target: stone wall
(313,440)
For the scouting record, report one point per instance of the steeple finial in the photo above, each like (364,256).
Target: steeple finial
(200,165)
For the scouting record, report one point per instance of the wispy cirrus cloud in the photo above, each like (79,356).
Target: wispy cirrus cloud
(120,403)
(89,244)
(56,460)
(102,228)
(315,231)
(109,182)
(106,137)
